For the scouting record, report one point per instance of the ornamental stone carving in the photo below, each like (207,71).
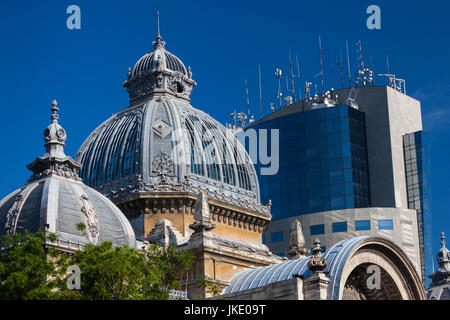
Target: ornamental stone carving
(163,167)
(90,218)
(317,263)
(13,214)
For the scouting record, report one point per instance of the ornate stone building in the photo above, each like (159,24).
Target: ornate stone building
(177,174)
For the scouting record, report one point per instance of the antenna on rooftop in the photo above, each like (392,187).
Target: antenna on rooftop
(298,75)
(272,107)
(342,73)
(321,63)
(348,66)
(241,118)
(359,50)
(387,64)
(395,83)
(293,75)
(234,117)
(333,77)
(248,100)
(364,75)
(260,89)
(307,89)
(278,74)
(252,120)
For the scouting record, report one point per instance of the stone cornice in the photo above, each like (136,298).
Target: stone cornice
(184,203)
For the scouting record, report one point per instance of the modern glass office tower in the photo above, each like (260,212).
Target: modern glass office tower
(417,167)
(350,167)
(323,164)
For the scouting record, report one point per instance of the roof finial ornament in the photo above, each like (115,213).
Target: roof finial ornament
(158,42)
(55,135)
(54,161)
(442,274)
(157,13)
(317,263)
(55,109)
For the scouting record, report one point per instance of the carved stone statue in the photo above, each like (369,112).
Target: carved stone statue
(91,219)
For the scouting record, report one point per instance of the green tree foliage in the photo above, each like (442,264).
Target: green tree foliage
(29,270)
(107,272)
(168,266)
(26,267)
(210,286)
(122,273)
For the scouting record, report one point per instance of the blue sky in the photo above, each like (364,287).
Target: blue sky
(223,42)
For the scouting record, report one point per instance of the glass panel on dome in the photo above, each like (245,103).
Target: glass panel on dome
(196,158)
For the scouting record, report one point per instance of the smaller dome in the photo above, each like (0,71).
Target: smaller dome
(58,205)
(158,58)
(57,201)
(159,72)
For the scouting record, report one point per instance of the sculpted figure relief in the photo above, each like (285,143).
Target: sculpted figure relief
(91,218)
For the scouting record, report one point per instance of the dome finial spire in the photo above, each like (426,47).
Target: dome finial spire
(54,135)
(157,13)
(55,109)
(54,161)
(158,42)
(442,240)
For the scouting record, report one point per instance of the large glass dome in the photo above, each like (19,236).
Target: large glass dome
(161,140)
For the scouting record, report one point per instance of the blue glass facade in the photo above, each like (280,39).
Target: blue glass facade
(276,236)
(339,226)
(323,162)
(317,229)
(417,168)
(361,225)
(385,224)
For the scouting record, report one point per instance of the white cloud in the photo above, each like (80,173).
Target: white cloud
(435,101)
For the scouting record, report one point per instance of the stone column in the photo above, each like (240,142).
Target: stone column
(316,287)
